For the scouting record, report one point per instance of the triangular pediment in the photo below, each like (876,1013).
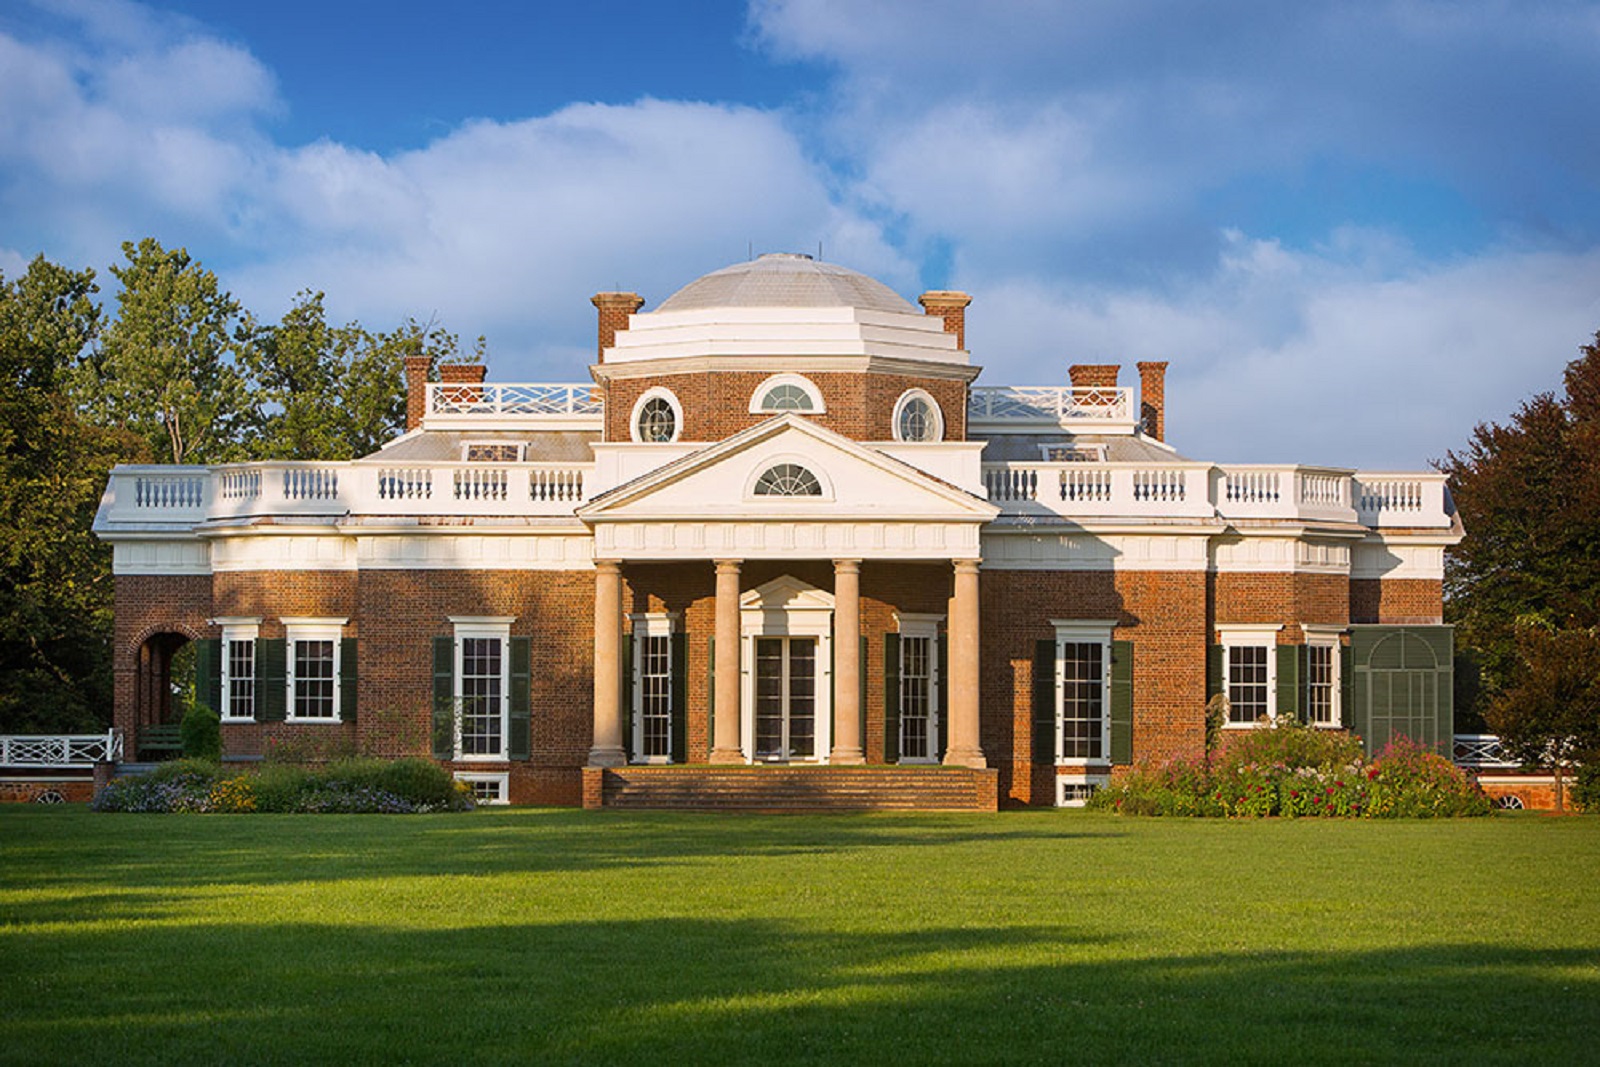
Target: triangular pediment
(786,593)
(853,482)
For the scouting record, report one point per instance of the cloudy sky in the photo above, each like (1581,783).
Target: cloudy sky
(1355,229)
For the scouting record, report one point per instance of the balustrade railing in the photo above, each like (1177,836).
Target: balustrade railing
(1098,488)
(59,750)
(1480,750)
(554,404)
(1030,406)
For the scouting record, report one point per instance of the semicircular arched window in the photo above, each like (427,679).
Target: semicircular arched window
(786,397)
(788,479)
(786,392)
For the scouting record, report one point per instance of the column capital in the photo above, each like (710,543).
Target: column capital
(847,566)
(724,566)
(608,565)
(967,566)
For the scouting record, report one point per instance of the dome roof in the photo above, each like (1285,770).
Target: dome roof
(785,279)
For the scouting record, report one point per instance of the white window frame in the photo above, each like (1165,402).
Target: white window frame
(645,626)
(491,627)
(936,412)
(648,395)
(917,625)
(239,628)
(1251,635)
(1083,632)
(805,385)
(307,628)
(501,780)
(1073,790)
(1328,637)
(1050,453)
(804,462)
(468,446)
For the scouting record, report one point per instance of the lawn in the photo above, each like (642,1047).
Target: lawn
(556,936)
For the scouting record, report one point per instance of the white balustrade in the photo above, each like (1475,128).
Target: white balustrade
(1400,499)
(481,404)
(1081,489)
(1023,407)
(59,750)
(1480,750)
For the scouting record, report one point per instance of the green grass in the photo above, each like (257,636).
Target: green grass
(552,936)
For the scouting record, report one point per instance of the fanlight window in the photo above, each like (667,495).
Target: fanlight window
(657,421)
(788,479)
(787,397)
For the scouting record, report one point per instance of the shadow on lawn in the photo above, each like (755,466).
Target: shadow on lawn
(701,991)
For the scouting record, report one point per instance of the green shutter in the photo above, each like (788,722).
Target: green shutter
(1289,680)
(1122,702)
(1215,681)
(1044,702)
(626,696)
(1442,640)
(891,698)
(711,695)
(521,741)
(444,697)
(347,679)
(943,641)
(208,673)
(680,697)
(272,700)
(861,697)
(1347,687)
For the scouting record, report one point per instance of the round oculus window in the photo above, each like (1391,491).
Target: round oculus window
(657,421)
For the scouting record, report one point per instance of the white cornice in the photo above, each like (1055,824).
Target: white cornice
(798,364)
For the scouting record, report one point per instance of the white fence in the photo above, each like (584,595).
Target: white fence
(59,750)
(1480,751)
(1032,407)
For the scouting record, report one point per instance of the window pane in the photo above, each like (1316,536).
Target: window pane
(916,698)
(786,397)
(1319,684)
(241,680)
(657,421)
(655,694)
(788,479)
(917,422)
(482,686)
(313,679)
(1247,683)
(1082,700)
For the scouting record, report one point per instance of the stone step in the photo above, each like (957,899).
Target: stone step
(811,789)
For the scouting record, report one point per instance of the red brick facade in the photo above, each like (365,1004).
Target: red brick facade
(1396,601)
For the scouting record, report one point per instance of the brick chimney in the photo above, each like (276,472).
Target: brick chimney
(416,390)
(614,310)
(462,373)
(951,306)
(1094,375)
(1153,399)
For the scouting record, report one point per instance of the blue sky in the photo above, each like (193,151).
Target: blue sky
(1355,229)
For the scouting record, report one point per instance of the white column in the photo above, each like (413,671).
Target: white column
(607,750)
(725,729)
(846,662)
(964,749)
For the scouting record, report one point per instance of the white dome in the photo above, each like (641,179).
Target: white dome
(786,279)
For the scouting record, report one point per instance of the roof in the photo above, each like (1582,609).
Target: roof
(786,279)
(1003,448)
(551,446)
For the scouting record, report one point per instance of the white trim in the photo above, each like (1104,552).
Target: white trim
(923,625)
(638,405)
(1063,781)
(1083,632)
(1250,635)
(500,779)
(237,628)
(936,412)
(297,628)
(805,385)
(647,625)
(494,628)
(786,607)
(1321,635)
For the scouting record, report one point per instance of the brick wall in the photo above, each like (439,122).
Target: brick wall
(1289,599)
(147,605)
(717,404)
(1162,613)
(1396,601)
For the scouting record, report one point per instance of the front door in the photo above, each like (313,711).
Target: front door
(786,698)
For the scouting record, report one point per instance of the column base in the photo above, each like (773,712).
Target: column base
(969,757)
(607,757)
(843,757)
(726,755)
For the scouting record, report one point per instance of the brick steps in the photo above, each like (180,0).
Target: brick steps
(799,789)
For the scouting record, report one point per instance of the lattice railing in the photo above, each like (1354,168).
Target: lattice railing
(1480,750)
(59,750)
(511,399)
(1056,404)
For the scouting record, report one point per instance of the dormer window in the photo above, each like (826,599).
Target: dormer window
(786,392)
(917,418)
(1073,453)
(491,452)
(788,479)
(657,419)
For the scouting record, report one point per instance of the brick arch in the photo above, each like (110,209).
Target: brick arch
(189,632)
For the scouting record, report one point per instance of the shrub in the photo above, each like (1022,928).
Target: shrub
(201,732)
(1586,783)
(349,786)
(1408,780)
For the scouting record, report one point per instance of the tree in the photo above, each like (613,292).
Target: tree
(168,367)
(1550,713)
(332,392)
(1528,494)
(55,578)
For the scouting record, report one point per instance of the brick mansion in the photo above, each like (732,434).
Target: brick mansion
(781,545)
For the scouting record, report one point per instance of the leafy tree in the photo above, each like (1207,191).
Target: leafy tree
(1528,493)
(333,392)
(55,580)
(1550,713)
(168,367)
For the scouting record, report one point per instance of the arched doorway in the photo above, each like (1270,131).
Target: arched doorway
(163,688)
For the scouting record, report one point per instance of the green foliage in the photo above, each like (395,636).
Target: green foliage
(1551,710)
(1298,771)
(1528,493)
(201,730)
(1586,783)
(55,578)
(343,787)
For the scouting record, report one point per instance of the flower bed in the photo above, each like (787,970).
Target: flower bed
(354,786)
(1298,772)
